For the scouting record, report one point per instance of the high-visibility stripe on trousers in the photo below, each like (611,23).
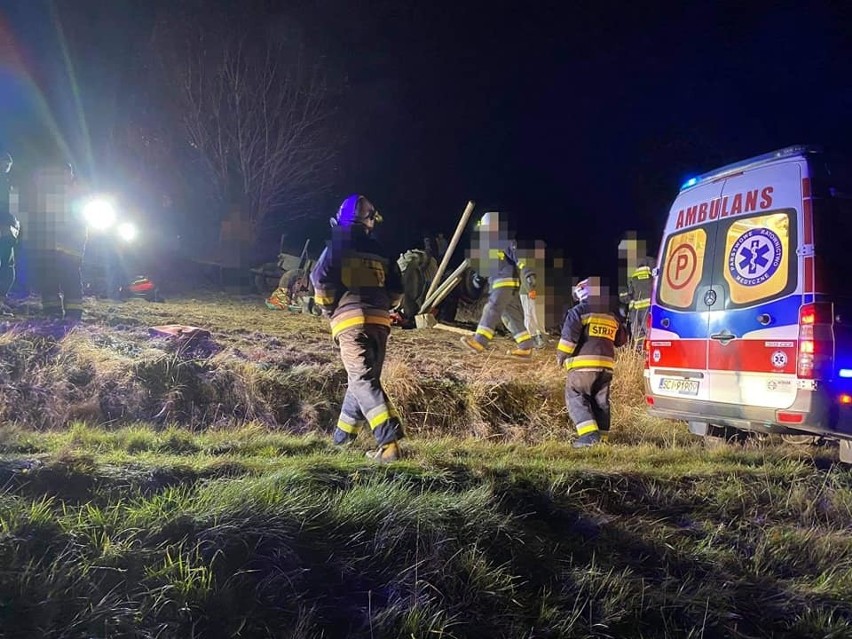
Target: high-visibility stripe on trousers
(505,304)
(587,399)
(362,350)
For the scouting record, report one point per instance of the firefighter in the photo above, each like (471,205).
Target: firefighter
(497,252)
(590,333)
(639,299)
(10,229)
(56,239)
(355,285)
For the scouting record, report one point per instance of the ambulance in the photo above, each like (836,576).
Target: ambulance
(750,327)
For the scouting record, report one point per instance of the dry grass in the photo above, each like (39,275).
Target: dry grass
(158,490)
(274,368)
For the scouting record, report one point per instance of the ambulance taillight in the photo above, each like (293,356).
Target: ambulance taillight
(816,341)
(646,345)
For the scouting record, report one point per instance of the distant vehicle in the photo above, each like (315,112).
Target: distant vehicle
(283,272)
(750,326)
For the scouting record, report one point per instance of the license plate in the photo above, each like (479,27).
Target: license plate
(680,386)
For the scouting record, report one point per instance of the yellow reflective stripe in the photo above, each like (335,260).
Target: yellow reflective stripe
(522,337)
(506,282)
(566,347)
(603,319)
(589,362)
(602,332)
(584,428)
(496,254)
(486,332)
(73,306)
(379,419)
(358,320)
(324,298)
(352,429)
(641,303)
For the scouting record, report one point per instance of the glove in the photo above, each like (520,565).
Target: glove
(532,294)
(561,358)
(478,281)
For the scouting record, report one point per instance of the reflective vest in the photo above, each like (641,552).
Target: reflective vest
(589,338)
(640,288)
(355,281)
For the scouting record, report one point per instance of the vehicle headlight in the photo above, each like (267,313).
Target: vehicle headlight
(99,214)
(127,231)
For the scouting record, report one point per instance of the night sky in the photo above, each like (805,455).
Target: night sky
(581,119)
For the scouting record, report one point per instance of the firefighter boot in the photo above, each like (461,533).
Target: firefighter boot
(538,342)
(587,440)
(385,454)
(472,343)
(520,353)
(343,440)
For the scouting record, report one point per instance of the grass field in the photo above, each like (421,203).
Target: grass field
(152,489)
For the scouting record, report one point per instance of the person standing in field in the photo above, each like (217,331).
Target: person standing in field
(590,333)
(355,285)
(495,252)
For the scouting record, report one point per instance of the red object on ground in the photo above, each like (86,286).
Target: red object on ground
(179,331)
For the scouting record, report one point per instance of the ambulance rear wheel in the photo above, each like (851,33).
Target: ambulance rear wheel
(722,436)
(799,440)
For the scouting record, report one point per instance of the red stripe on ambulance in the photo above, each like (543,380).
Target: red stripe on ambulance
(678,353)
(753,356)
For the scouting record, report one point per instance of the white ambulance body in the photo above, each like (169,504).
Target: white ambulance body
(750,318)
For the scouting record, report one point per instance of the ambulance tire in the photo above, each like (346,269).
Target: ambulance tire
(722,437)
(800,440)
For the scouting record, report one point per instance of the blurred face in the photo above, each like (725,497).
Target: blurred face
(367,214)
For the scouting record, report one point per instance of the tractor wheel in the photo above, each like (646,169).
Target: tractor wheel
(468,291)
(265,282)
(288,279)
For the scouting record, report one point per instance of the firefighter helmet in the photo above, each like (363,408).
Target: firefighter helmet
(355,210)
(581,290)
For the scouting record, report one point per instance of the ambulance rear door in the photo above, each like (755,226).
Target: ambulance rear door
(754,298)
(677,348)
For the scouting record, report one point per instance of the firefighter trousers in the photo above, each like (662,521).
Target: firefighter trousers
(59,282)
(587,399)
(362,350)
(505,304)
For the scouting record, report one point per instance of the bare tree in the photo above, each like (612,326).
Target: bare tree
(258,114)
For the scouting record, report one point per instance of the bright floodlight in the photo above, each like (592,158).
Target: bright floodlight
(127,231)
(99,214)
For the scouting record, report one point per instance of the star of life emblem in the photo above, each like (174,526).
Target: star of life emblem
(755,256)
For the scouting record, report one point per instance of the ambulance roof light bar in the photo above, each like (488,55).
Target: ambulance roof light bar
(737,167)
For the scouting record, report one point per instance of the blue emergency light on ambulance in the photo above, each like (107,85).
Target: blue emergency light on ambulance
(751,320)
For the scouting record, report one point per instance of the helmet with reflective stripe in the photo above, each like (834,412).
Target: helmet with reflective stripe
(581,290)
